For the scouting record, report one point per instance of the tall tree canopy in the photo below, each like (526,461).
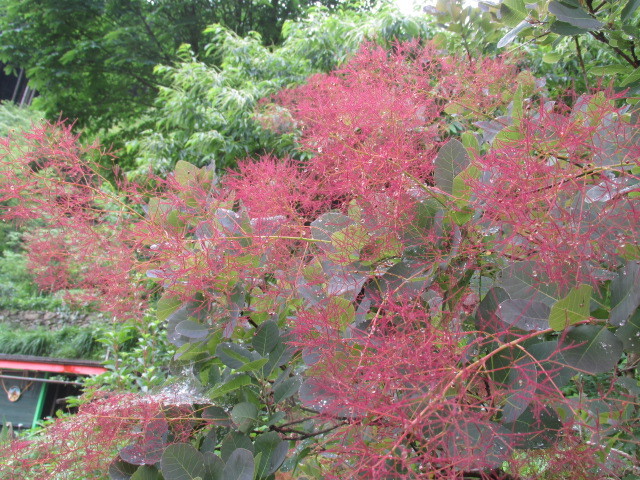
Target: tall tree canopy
(93,60)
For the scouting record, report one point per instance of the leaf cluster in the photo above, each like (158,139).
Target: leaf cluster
(604,34)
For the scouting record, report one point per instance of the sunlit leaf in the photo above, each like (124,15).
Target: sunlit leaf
(575,16)
(631,78)
(513,12)
(452,159)
(147,473)
(571,309)
(512,34)
(253,365)
(228,386)
(629,9)
(166,306)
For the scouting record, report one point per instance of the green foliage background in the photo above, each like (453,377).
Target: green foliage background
(174,83)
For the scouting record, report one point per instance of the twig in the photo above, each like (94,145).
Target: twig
(581,60)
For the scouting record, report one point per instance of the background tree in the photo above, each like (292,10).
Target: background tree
(92,62)
(209,110)
(603,36)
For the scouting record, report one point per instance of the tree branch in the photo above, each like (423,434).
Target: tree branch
(581,61)
(603,39)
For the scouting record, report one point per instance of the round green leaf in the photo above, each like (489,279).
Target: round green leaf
(522,385)
(121,470)
(547,358)
(551,57)
(323,227)
(181,461)
(478,445)
(487,314)
(571,309)
(524,314)
(239,466)
(526,280)
(192,329)
(273,450)
(146,473)
(629,9)
(629,334)
(566,29)
(185,172)
(574,16)
(232,383)
(286,389)
(148,449)
(266,338)
(591,349)
(210,441)
(513,11)
(513,33)
(244,415)
(233,355)
(218,416)
(536,428)
(625,293)
(233,441)
(214,466)
(166,306)
(452,159)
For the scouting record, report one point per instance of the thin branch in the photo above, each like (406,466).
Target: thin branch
(315,434)
(603,39)
(581,61)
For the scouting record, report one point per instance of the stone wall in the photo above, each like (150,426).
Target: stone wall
(52,320)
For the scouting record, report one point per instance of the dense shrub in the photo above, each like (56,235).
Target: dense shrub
(405,304)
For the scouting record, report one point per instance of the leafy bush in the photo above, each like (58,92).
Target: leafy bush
(422,298)
(136,353)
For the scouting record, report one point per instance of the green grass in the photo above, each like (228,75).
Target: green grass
(68,342)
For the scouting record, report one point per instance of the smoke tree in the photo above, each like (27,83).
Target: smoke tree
(447,288)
